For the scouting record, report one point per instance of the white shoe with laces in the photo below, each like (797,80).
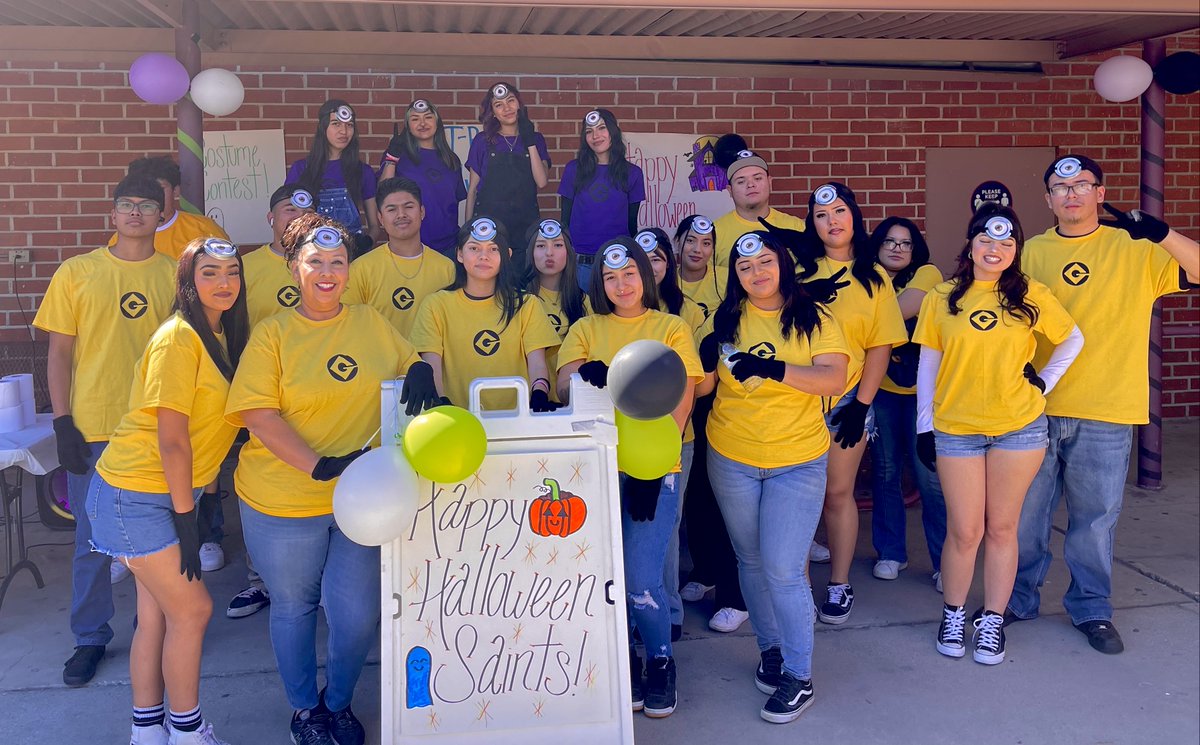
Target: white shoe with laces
(156,735)
(728,620)
(212,557)
(888,569)
(202,736)
(118,572)
(694,592)
(818,554)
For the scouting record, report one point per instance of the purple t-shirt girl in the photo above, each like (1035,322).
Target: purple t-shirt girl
(601,210)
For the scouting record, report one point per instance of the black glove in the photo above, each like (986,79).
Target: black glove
(793,240)
(1140,225)
(73,450)
(641,497)
(329,467)
(850,421)
(746,366)
(926,452)
(395,146)
(1033,378)
(826,290)
(710,353)
(539,401)
(525,128)
(594,372)
(188,531)
(419,391)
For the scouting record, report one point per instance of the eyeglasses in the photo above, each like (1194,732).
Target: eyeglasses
(891,244)
(125,207)
(1082,189)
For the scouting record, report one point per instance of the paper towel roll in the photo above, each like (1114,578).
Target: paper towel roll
(10,393)
(28,406)
(12,419)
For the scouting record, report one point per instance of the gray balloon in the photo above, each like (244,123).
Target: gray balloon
(646,379)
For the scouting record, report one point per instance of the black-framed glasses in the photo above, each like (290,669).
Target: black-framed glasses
(126,207)
(1082,189)
(891,244)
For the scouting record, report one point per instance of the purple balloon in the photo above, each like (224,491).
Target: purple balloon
(158,78)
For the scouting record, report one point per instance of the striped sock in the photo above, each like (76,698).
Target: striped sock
(149,716)
(186,721)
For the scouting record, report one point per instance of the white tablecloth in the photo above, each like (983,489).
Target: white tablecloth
(32,448)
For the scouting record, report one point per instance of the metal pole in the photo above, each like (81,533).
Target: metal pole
(1153,136)
(189,131)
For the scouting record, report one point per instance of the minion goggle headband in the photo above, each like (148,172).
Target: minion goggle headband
(550,229)
(300,198)
(325,238)
(219,248)
(998,228)
(593,118)
(701,225)
(500,91)
(1068,167)
(749,245)
(343,113)
(420,106)
(616,256)
(647,240)
(483,229)
(825,195)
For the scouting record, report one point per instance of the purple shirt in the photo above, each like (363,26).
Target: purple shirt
(601,211)
(333,179)
(441,191)
(477,157)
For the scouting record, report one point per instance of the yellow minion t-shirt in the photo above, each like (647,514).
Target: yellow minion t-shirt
(270,286)
(927,277)
(473,342)
(1108,282)
(552,300)
(177,373)
(323,377)
(980,388)
(732,226)
(707,292)
(396,285)
(172,237)
(112,307)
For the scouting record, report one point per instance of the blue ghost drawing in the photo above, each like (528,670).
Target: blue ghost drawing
(416,677)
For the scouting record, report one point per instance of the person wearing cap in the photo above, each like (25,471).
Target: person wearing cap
(396,277)
(1107,273)
(750,189)
(483,325)
(307,388)
(99,311)
(601,191)
(178,227)
(421,152)
(625,303)
(695,243)
(980,408)
(142,498)
(773,349)
(335,173)
(508,163)
(551,273)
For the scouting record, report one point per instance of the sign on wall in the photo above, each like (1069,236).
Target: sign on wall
(681,177)
(241,170)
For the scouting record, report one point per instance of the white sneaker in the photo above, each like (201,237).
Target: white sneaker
(937,580)
(212,557)
(156,735)
(888,569)
(202,736)
(694,592)
(118,572)
(818,554)
(728,620)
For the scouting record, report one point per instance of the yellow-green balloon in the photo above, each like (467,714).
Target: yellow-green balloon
(647,448)
(445,444)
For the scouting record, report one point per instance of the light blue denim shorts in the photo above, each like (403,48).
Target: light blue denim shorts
(1033,436)
(127,524)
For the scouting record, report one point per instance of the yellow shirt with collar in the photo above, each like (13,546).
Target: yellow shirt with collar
(396,285)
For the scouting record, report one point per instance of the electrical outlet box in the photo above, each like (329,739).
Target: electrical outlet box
(19,256)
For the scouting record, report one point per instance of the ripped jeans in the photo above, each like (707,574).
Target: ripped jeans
(644,547)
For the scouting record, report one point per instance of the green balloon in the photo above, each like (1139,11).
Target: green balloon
(647,448)
(445,444)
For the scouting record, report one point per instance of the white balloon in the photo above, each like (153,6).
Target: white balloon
(1122,78)
(375,497)
(217,92)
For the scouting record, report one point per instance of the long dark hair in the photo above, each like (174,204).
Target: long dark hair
(487,117)
(318,155)
(508,296)
(799,312)
(235,322)
(1013,285)
(681,233)
(601,305)
(570,297)
(618,166)
(668,290)
(412,147)
(919,254)
(862,267)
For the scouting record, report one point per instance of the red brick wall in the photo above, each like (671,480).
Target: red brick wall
(67,133)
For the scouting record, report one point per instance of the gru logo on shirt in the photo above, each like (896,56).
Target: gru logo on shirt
(1076,273)
(403,298)
(486,343)
(288,296)
(342,367)
(984,320)
(763,349)
(134,305)
(556,320)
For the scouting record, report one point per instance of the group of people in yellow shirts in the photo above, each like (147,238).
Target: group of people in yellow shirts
(1012,395)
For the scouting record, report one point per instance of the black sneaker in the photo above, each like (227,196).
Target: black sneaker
(989,638)
(1103,636)
(81,668)
(839,603)
(309,727)
(950,633)
(660,687)
(770,666)
(789,701)
(636,686)
(248,602)
(344,727)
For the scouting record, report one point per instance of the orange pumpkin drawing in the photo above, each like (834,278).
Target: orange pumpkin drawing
(556,512)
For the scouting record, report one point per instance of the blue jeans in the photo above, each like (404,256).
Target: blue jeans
(671,568)
(891,451)
(644,546)
(772,514)
(298,558)
(91,588)
(1086,462)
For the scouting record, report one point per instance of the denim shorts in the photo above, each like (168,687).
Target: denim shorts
(127,524)
(868,427)
(1033,436)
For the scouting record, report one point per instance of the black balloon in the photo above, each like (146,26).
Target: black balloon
(646,379)
(1179,73)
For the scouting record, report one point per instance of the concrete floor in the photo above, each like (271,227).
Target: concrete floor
(878,678)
